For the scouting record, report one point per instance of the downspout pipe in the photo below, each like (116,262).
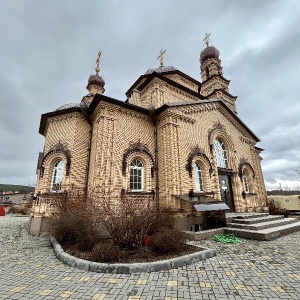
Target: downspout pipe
(88,119)
(153,119)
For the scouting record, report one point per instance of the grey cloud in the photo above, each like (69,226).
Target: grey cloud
(49,49)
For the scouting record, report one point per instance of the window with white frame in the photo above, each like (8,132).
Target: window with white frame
(221,154)
(246,183)
(198,177)
(57,176)
(136,176)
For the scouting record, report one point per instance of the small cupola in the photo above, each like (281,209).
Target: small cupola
(209,59)
(209,52)
(96,82)
(161,68)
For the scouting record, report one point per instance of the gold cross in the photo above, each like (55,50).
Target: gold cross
(161,57)
(206,39)
(97,69)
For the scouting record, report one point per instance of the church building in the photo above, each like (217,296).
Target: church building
(176,141)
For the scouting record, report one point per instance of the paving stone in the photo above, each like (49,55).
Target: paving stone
(250,270)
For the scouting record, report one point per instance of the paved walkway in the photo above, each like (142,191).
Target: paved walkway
(251,270)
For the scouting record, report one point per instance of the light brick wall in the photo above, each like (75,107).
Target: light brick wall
(158,92)
(180,129)
(178,136)
(72,131)
(183,81)
(214,68)
(115,130)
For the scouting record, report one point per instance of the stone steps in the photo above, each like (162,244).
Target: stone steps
(260,226)
(257,220)
(247,215)
(267,218)
(265,234)
(263,225)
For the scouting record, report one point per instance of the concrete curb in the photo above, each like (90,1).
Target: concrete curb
(155,266)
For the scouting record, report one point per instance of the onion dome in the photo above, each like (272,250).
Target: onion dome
(81,105)
(96,79)
(96,82)
(209,52)
(161,69)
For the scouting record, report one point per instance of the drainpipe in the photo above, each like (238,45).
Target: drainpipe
(153,119)
(87,117)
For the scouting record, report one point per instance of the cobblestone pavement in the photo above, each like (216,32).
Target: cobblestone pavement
(251,270)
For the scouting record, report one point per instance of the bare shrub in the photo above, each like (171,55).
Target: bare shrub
(132,217)
(74,223)
(74,227)
(106,251)
(276,209)
(127,220)
(167,240)
(162,219)
(18,209)
(12,209)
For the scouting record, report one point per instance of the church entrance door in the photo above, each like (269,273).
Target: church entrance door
(226,191)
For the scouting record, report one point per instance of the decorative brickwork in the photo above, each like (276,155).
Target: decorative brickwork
(134,150)
(184,82)
(169,126)
(245,164)
(196,152)
(158,93)
(60,149)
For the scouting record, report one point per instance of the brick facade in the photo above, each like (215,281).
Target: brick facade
(169,122)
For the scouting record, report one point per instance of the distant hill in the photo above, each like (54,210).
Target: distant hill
(22,189)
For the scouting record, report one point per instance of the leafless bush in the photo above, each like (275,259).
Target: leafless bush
(276,209)
(127,220)
(74,222)
(167,240)
(163,219)
(18,210)
(106,251)
(297,170)
(74,226)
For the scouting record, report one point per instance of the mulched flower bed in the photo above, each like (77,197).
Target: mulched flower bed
(137,256)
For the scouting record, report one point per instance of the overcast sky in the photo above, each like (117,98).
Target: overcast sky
(48,51)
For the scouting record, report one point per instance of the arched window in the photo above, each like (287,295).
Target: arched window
(57,175)
(221,154)
(136,176)
(198,177)
(246,183)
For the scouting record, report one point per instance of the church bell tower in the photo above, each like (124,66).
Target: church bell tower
(214,85)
